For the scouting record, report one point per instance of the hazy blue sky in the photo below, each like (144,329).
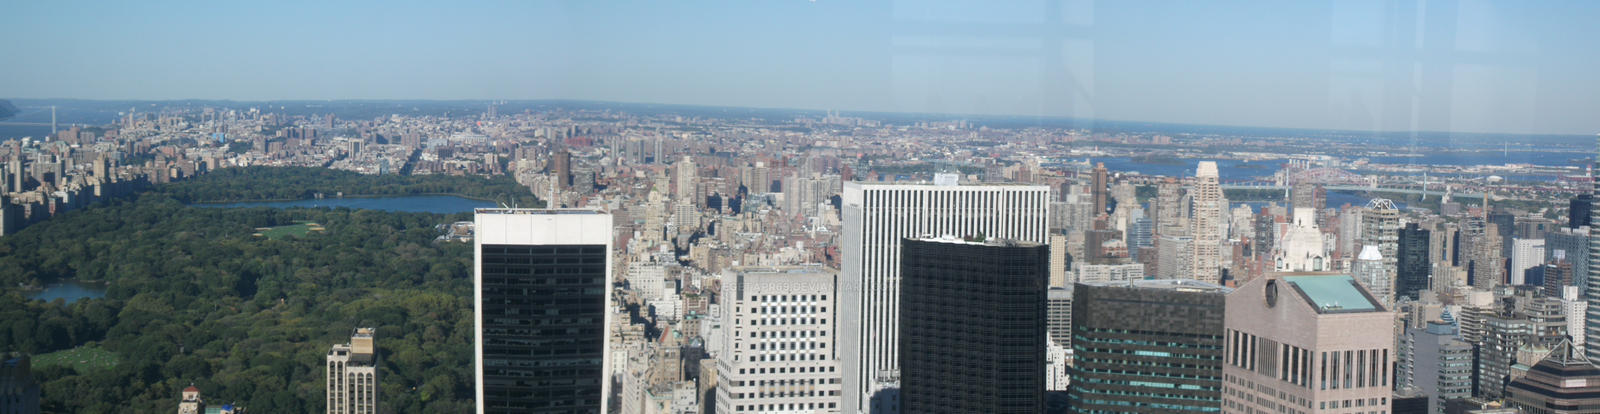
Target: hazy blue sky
(1476,66)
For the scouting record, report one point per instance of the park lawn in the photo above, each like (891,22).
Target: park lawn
(299,229)
(83,358)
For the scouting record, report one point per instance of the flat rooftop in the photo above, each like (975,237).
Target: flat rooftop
(1182,285)
(1333,293)
(988,241)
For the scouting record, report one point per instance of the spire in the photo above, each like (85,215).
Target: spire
(1565,355)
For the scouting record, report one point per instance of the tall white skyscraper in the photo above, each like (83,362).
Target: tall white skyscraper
(542,282)
(777,348)
(876,218)
(1525,254)
(353,375)
(1207,222)
(1380,226)
(686,174)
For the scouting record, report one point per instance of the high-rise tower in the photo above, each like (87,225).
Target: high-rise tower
(541,310)
(876,218)
(1316,339)
(1147,346)
(1098,188)
(1207,222)
(972,325)
(1592,294)
(1380,227)
(353,375)
(777,349)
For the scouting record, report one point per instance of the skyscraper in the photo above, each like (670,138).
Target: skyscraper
(1169,212)
(1573,244)
(561,166)
(777,350)
(687,175)
(1098,188)
(1591,294)
(972,325)
(1149,346)
(353,375)
(1579,214)
(1312,341)
(1436,362)
(876,218)
(1207,222)
(1525,254)
(1380,227)
(1412,265)
(542,308)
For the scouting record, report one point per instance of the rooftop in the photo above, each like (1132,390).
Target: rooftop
(1181,285)
(1333,293)
(976,241)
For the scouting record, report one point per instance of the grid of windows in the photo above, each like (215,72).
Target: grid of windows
(543,327)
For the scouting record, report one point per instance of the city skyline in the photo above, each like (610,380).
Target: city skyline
(1473,67)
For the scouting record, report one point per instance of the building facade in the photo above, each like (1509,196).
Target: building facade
(777,351)
(1435,361)
(542,310)
(1207,224)
(1148,346)
(972,326)
(353,375)
(1413,268)
(1307,342)
(875,219)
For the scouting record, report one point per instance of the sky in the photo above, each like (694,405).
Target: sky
(1366,65)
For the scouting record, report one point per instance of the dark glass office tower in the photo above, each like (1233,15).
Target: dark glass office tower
(1147,346)
(1579,214)
(972,326)
(542,310)
(1411,262)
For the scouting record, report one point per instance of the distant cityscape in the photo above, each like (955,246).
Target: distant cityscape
(708,261)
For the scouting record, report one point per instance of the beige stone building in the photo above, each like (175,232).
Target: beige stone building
(1307,343)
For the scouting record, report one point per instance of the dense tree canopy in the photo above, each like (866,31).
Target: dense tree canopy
(298,183)
(193,297)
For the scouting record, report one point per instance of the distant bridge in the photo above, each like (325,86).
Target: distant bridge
(1380,189)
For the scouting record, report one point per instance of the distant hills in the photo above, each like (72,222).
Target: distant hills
(7,110)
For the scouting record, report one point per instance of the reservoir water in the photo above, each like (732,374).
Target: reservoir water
(69,291)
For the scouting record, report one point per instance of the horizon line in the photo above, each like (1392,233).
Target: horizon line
(839,111)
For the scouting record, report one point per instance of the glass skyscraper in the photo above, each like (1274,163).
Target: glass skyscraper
(542,310)
(972,326)
(1147,346)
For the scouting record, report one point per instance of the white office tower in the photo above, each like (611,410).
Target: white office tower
(542,281)
(1573,307)
(1525,254)
(876,218)
(776,352)
(686,174)
(353,375)
(1207,224)
(1301,248)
